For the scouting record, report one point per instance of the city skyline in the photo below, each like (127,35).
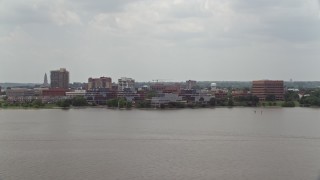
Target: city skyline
(163,39)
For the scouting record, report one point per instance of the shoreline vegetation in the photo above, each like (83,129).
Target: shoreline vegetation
(292,99)
(66,104)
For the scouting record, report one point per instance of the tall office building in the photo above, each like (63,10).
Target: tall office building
(263,88)
(102,82)
(126,84)
(59,78)
(190,84)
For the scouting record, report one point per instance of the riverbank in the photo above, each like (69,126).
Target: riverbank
(53,106)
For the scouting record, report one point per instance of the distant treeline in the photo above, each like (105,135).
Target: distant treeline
(244,84)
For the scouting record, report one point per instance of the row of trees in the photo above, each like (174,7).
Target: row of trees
(32,104)
(76,101)
(119,103)
(312,100)
(290,98)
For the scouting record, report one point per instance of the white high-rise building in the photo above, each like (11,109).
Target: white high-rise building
(126,84)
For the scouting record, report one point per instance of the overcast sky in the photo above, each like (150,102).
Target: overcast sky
(160,39)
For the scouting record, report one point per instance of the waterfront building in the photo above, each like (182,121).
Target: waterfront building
(172,88)
(100,96)
(240,93)
(128,95)
(126,83)
(157,87)
(190,84)
(53,95)
(54,92)
(203,98)
(20,95)
(221,94)
(188,95)
(76,93)
(165,98)
(102,82)
(38,91)
(263,88)
(59,78)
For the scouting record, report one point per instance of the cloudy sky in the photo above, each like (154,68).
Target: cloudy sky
(160,39)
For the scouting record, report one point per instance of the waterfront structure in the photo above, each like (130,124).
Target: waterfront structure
(157,87)
(172,88)
(102,82)
(20,95)
(54,92)
(100,96)
(59,78)
(203,98)
(165,98)
(126,83)
(221,94)
(76,93)
(190,84)
(240,93)
(263,88)
(128,95)
(53,95)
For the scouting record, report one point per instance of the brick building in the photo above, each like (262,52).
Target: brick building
(59,78)
(102,82)
(263,88)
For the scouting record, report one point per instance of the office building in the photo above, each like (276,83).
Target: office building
(60,78)
(190,84)
(126,84)
(102,82)
(263,88)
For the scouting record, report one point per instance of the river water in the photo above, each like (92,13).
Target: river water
(220,143)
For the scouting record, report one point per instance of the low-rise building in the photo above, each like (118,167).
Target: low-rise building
(100,96)
(240,93)
(165,98)
(20,95)
(53,95)
(76,93)
(221,93)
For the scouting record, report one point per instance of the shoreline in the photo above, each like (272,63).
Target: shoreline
(135,108)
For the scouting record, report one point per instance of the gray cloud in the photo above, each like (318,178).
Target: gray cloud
(159,39)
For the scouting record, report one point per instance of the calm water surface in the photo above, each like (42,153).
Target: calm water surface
(221,143)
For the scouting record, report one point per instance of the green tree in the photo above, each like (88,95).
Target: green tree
(79,101)
(288,104)
(64,103)
(112,103)
(37,103)
(291,96)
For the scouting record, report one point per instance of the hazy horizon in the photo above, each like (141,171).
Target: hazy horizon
(228,40)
